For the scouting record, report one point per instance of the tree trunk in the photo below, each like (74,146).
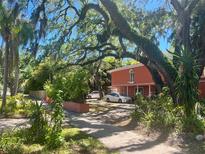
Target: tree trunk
(16,81)
(5,76)
(13,67)
(16,73)
(157,79)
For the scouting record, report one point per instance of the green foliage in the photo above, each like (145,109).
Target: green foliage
(54,138)
(187,81)
(10,143)
(74,85)
(160,112)
(15,142)
(11,105)
(18,106)
(193,124)
(39,125)
(40,75)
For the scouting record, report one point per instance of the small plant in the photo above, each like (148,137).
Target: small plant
(39,124)
(54,137)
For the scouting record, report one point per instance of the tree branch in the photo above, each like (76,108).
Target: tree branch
(177,6)
(192,5)
(150,49)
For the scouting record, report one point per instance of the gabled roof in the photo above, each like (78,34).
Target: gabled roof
(125,67)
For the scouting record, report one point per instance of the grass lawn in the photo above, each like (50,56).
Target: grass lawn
(76,142)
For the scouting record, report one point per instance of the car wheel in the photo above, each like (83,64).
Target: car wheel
(108,100)
(119,101)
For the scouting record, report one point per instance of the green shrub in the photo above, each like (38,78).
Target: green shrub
(161,112)
(40,75)
(10,143)
(74,85)
(18,106)
(193,124)
(11,105)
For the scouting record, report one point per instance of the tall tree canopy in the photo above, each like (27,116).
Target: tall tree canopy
(87,31)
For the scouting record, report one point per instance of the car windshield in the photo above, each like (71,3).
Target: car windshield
(114,94)
(117,95)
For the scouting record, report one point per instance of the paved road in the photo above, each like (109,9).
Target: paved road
(117,138)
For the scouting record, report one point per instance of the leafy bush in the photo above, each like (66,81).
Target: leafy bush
(10,143)
(18,106)
(193,124)
(161,112)
(74,85)
(40,75)
(11,105)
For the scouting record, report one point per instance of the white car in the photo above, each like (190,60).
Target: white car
(115,97)
(94,94)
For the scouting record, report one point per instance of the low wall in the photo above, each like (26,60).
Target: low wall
(40,94)
(76,107)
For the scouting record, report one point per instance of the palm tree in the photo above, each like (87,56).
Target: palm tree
(5,28)
(14,32)
(21,33)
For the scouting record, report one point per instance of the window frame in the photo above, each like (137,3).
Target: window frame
(131,75)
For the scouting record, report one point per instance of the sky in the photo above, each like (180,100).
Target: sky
(164,45)
(152,5)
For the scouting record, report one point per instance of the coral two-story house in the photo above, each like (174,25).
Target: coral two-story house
(129,80)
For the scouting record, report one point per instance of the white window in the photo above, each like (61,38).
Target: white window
(132,75)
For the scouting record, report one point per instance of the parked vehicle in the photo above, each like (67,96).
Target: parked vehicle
(94,94)
(116,97)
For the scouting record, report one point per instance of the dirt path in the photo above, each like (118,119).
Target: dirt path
(112,124)
(6,123)
(117,138)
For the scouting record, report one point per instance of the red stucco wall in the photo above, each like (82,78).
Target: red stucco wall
(121,77)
